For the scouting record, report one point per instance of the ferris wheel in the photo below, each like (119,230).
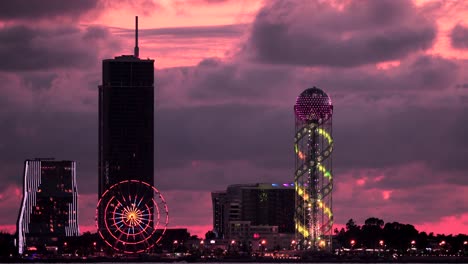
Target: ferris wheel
(134,216)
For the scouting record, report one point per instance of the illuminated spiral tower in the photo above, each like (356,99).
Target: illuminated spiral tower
(313,179)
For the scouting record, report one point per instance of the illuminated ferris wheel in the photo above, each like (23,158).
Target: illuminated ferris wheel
(135,216)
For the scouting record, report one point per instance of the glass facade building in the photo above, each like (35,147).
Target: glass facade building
(126,122)
(49,207)
(261,204)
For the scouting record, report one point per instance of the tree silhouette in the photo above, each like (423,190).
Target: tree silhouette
(372,232)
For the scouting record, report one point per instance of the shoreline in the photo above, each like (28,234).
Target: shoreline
(314,259)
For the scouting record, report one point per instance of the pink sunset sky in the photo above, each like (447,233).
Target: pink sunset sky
(227,76)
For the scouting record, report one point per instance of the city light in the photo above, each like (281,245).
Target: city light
(128,225)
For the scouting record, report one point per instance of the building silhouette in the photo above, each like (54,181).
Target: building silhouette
(126,121)
(49,207)
(218,199)
(245,210)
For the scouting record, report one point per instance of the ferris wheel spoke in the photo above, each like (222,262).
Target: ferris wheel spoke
(132,212)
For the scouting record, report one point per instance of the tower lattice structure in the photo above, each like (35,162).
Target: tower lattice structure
(313,180)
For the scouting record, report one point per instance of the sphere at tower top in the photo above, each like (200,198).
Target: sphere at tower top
(313,104)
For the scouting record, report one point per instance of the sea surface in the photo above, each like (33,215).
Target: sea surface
(237,262)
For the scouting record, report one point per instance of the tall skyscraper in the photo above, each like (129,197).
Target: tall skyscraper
(126,120)
(49,208)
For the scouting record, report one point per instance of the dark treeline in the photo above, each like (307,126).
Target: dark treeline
(403,238)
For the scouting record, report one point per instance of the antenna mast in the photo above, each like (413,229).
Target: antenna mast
(136,51)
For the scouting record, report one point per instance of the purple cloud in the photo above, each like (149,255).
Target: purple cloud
(40,9)
(320,34)
(459,37)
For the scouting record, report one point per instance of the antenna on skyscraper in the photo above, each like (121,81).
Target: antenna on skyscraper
(136,50)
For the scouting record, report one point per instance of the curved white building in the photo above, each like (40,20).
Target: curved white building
(49,208)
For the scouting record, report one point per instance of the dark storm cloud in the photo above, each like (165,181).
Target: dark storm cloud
(34,9)
(382,118)
(315,33)
(63,135)
(406,135)
(96,32)
(222,133)
(38,81)
(262,136)
(239,81)
(418,74)
(24,48)
(459,37)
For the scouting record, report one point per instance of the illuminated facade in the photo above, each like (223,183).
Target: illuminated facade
(313,178)
(126,122)
(261,204)
(49,208)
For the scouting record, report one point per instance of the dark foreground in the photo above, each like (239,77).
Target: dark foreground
(309,259)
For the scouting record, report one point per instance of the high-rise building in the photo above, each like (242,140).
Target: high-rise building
(49,208)
(126,121)
(245,206)
(217,199)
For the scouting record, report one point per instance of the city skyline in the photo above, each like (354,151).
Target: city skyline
(227,74)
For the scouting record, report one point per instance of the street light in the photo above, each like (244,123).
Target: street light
(413,244)
(381,243)
(322,243)
(352,242)
(262,245)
